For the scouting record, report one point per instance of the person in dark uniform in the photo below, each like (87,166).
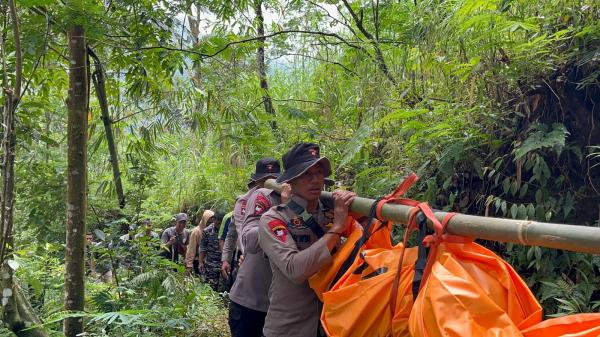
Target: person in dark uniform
(209,252)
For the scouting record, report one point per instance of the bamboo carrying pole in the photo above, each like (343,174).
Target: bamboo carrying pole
(582,239)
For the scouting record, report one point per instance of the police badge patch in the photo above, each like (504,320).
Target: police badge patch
(329,214)
(279,229)
(297,222)
(261,205)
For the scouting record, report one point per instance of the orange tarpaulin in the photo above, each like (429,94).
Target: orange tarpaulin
(357,305)
(379,237)
(466,290)
(580,325)
(471,292)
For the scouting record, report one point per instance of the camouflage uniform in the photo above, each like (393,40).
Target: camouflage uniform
(209,245)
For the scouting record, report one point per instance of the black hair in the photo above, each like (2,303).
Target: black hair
(218,215)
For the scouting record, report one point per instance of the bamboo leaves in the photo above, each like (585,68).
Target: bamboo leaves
(356,143)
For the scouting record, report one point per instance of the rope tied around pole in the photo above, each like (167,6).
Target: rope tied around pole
(394,197)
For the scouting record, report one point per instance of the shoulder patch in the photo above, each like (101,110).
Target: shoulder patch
(261,205)
(279,229)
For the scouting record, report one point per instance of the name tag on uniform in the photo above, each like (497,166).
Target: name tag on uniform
(301,238)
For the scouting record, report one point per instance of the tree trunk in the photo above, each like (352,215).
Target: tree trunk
(17,314)
(260,61)
(100,85)
(12,97)
(194,23)
(381,64)
(76,180)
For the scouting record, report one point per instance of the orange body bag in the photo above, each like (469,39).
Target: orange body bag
(471,292)
(358,304)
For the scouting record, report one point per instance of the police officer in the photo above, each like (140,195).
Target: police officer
(249,294)
(298,238)
(232,249)
(265,168)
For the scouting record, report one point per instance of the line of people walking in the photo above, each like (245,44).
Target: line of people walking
(265,250)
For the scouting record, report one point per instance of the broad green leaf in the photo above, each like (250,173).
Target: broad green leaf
(541,137)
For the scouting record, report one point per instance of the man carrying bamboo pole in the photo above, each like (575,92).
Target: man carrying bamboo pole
(265,168)
(297,239)
(249,294)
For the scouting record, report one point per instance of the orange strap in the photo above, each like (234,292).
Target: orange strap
(434,241)
(394,197)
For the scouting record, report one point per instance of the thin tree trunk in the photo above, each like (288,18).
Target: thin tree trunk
(100,85)
(17,314)
(8,142)
(374,40)
(194,23)
(8,173)
(76,180)
(260,61)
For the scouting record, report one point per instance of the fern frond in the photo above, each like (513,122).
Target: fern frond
(147,277)
(104,301)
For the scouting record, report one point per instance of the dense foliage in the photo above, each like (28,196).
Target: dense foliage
(492,103)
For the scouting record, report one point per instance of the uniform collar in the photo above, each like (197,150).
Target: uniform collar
(301,202)
(247,194)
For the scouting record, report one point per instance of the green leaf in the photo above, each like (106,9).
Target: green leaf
(543,137)
(538,197)
(531,211)
(399,115)
(14,265)
(48,140)
(31,3)
(523,191)
(513,211)
(100,234)
(522,211)
(514,187)
(356,143)
(506,185)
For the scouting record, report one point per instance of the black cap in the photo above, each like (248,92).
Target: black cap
(266,167)
(300,158)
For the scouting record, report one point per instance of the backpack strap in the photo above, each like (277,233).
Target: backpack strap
(421,262)
(309,220)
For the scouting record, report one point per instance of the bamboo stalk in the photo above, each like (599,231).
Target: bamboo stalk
(584,239)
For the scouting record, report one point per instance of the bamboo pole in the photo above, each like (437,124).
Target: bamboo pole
(584,239)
